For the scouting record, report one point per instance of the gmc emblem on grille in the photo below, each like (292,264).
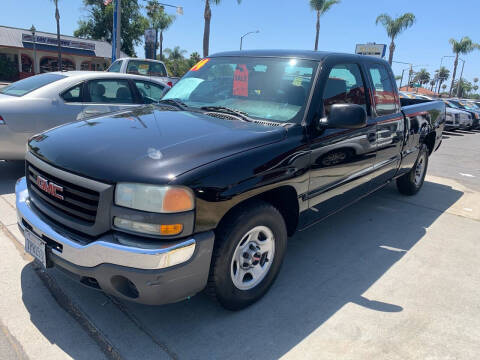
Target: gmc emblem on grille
(49,187)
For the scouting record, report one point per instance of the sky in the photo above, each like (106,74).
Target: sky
(290,24)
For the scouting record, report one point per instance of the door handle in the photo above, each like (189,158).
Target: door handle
(372,136)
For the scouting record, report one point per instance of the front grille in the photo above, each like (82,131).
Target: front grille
(78,202)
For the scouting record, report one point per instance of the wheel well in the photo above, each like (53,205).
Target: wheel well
(283,198)
(430,141)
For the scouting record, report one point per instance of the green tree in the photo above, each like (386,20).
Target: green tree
(394,27)
(464,46)
(208,17)
(422,77)
(444,86)
(194,58)
(442,75)
(321,7)
(432,84)
(160,21)
(462,87)
(475,87)
(98,24)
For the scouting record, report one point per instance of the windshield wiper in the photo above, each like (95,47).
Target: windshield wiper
(175,102)
(226,110)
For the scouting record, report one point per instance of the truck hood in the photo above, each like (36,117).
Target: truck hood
(147,144)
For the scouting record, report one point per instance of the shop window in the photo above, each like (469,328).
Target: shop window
(49,64)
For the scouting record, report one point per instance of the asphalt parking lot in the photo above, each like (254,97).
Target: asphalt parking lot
(390,277)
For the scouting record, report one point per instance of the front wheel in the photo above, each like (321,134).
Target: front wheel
(249,250)
(411,182)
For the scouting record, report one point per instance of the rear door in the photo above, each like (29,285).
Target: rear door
(389,119)
(107,95)
(341,159)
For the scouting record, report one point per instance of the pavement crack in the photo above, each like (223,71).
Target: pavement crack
(141,326)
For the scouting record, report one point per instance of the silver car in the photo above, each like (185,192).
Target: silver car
(41,102)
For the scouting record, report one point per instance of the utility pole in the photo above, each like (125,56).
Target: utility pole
(117,25)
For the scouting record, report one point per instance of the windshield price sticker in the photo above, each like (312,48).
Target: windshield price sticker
(240,80)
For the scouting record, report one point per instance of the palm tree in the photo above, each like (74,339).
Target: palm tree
(441,75)
(475,87)
(432,84)
(208,17)
(422,77)
(394,27)
(176,60)
(321,7)
(464,46)
(160,21)
(57,18)
(175,54)
(444,86)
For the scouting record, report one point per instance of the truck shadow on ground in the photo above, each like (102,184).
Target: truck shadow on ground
(10,171)
(326,267)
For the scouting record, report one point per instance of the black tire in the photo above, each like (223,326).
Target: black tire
(229,234)
(409,184)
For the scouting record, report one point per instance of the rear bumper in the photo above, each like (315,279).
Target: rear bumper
(142,271)
(12,144)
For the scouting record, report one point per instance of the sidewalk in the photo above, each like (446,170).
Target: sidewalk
(31,323)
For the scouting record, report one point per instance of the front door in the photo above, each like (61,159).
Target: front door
(341,159)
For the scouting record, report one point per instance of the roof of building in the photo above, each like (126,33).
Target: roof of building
(420,90)
(12,37)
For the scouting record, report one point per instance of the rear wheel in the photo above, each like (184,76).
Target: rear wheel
(249,250)
(411,182)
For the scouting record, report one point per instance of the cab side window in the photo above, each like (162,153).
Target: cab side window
(73,95)
(385,101)
(344,86)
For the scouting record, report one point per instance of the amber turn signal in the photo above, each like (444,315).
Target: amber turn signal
(172,229)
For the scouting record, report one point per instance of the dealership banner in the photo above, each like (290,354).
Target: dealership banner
(47,40)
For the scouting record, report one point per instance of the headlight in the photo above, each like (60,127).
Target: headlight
(152,198)
(148,228)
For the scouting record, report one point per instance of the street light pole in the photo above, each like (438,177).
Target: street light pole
(32,29)
(241,38)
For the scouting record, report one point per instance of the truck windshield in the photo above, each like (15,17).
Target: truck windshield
(22,87)
(274,89)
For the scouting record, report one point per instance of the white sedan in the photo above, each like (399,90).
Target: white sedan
(41,102)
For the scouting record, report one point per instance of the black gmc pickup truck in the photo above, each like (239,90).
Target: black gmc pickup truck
(202,190)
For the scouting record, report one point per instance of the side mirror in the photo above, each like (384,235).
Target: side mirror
(345,116)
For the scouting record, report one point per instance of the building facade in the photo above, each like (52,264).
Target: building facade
(23,55)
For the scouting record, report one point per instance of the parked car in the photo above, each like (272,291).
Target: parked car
(144,67)
(462,105)
(41,102)
(456,118)
(207,186)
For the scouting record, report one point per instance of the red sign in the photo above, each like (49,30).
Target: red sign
(240,80)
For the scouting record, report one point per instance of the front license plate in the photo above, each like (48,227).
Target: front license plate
(35,247)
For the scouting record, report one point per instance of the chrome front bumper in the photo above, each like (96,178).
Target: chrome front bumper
(103,250)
